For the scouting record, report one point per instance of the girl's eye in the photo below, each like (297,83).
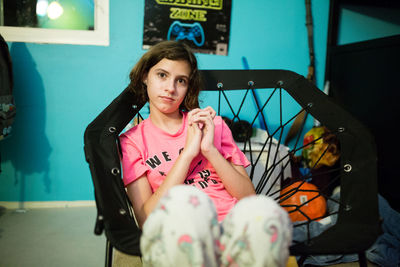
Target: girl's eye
(162,75)
(182,81)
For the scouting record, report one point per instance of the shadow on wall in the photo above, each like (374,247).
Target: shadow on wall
(28,148)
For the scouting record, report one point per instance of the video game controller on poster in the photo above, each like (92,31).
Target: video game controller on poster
(192,32)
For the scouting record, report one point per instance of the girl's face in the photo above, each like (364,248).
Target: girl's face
(167,84)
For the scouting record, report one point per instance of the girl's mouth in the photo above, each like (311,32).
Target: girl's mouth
(167,99)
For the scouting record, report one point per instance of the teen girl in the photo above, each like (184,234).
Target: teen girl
(186,177)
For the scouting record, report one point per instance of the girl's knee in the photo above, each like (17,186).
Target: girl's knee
(257,231)
(184,204)
(185,221)
(185,197)
(260,205)
(259,210)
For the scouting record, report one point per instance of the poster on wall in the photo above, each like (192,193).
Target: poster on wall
(203,24)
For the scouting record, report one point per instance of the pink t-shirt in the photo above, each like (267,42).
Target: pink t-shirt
(148,150)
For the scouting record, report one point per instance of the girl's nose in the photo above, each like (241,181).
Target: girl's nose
(171,86)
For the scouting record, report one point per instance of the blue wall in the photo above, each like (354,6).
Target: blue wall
(59,89)
(361,23)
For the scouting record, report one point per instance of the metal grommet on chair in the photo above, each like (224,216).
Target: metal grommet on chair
(341,129)
(115,171)
(134,106)
(279,83)
(122,211)
(220,85)
(251,83)
(112,129)
(347,167)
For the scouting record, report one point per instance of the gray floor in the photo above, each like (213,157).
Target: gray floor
(50,237)
(58,237)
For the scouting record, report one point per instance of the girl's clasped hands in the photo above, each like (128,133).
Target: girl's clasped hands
(200,136)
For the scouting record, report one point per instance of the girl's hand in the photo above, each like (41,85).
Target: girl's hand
(207,142)
(193,137)
(211,111)
(205,121)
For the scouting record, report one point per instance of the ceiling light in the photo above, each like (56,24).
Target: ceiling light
(54,10)
(41,7)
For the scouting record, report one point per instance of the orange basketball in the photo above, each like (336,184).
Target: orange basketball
(291,199)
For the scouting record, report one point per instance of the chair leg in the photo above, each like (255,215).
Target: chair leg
(109,254)
(301,261)
(362,259)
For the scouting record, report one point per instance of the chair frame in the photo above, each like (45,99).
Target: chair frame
(357,221)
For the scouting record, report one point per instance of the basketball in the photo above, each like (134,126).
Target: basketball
(306,200)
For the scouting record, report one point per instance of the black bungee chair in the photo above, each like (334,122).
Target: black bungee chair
(234,94)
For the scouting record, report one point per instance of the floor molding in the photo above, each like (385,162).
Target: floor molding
(46,204)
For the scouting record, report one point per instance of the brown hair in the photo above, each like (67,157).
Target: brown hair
(171,50)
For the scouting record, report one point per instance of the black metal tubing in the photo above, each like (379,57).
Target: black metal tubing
(101,151)
(109,254)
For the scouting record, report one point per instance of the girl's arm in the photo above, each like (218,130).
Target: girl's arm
(234,177)
(144,200)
